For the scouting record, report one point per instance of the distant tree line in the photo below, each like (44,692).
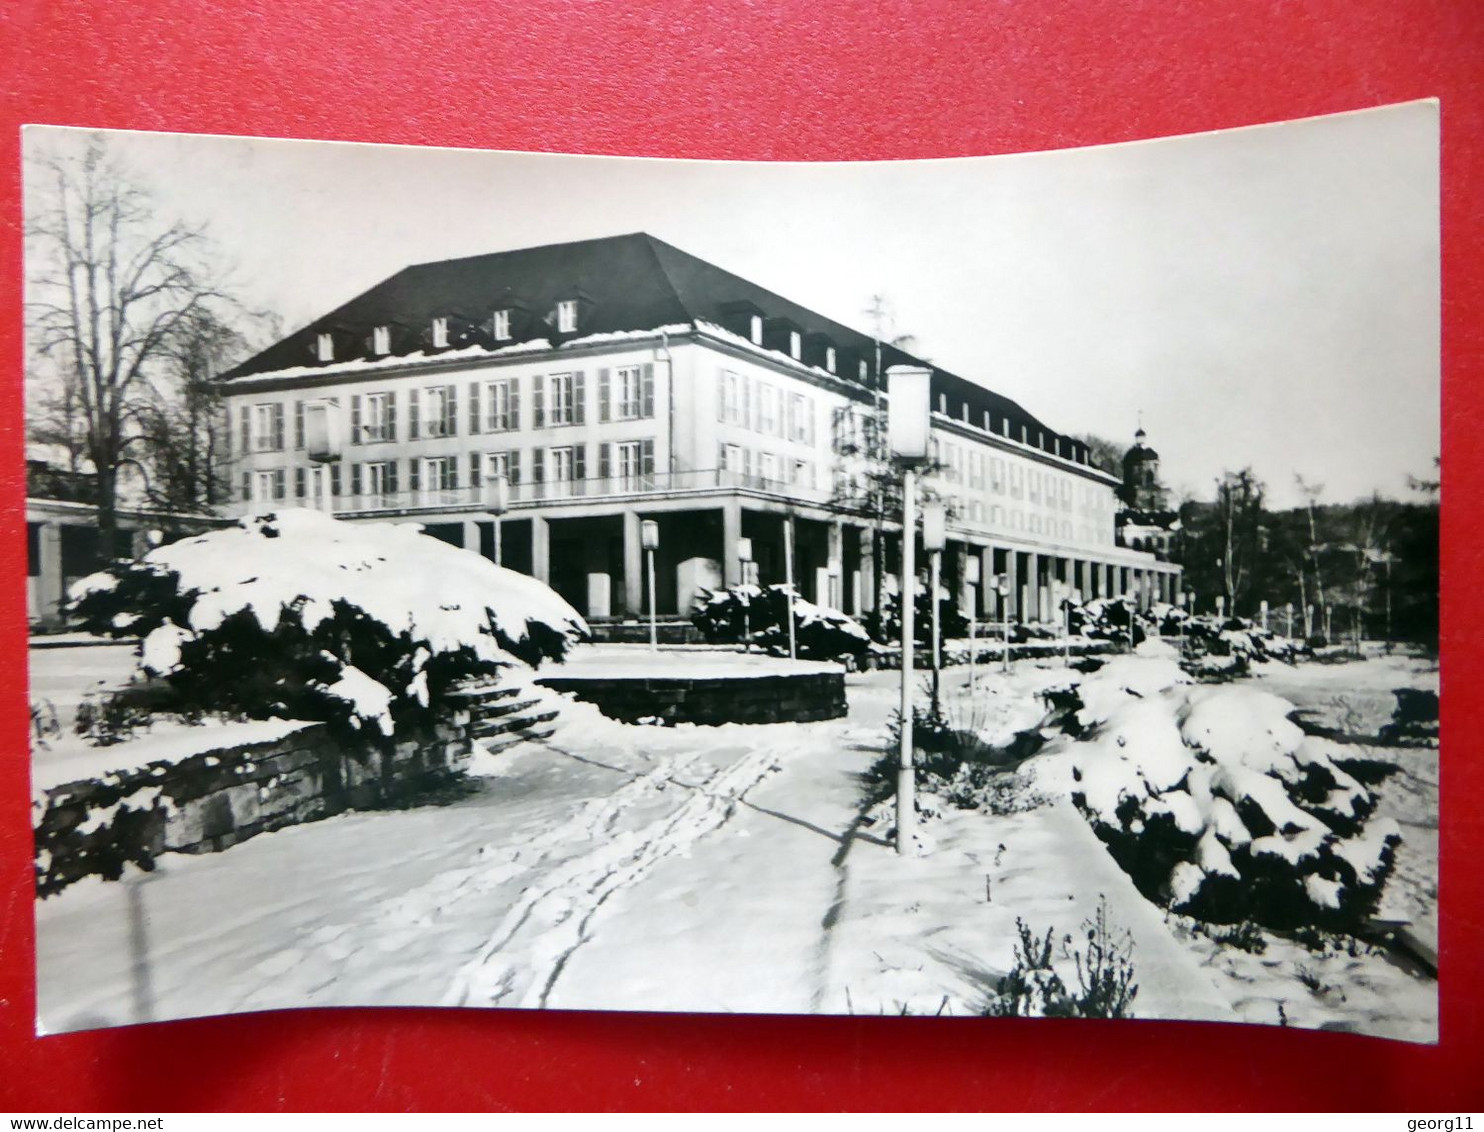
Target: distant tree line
(1368,568)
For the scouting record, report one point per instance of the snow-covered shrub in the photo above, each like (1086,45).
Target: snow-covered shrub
(1415,720)
(952,622)
(820,633)
(1109,619)
(1216,803)
(1218,647)
(301,616)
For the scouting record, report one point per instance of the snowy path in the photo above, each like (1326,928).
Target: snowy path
(495,899)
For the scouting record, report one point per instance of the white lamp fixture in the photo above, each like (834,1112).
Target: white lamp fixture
(649,539)
(908,389)
(323,439)
(934,527)
(497,494)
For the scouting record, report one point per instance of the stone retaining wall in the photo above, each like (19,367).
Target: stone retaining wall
(218,797)
(800,697)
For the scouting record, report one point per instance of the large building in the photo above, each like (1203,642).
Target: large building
(619,380)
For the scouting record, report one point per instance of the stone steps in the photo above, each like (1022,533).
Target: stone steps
(500,717)
(504,726)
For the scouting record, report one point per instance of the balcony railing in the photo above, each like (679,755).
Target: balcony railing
(547,491)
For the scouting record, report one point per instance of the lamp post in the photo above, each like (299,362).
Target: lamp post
(1180,621)
(972,575)
(744,558)
(497,502)
(934,539)
(788,580)
(649,539)
(1002,588)
(323,442)
(909,400)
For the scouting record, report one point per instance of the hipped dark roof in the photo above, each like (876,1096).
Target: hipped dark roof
(633,282)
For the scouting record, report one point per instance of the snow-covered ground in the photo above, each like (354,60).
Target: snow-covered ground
(685,868)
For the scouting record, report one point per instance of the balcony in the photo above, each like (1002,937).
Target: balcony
(519,495)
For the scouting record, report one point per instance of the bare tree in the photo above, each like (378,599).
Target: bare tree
(183,436)
(1239,510)
(112,290)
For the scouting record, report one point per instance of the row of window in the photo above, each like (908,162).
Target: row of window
(620,465)
(766,469)
(763,407)
(979,470)
(564,318)
(1060,446)
(622,393)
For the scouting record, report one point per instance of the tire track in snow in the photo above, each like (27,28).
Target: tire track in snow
(553,917)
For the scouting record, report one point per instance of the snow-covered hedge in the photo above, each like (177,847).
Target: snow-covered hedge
(1215,802)
(820,633)
(302,616)
(1214,647)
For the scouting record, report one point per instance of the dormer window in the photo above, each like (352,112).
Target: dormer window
(440,333)
(324,347)
(795,345)
(943,403)
(502,325)
(864,369)
(381,340)
(829,358)
(566,316)
(755,329)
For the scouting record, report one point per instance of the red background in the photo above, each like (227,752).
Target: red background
(805,79)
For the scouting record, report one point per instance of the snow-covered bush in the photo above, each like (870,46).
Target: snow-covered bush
(952,622)
(302,616)
(1109,619)
(1415,720)
(1228,646)
(820,633)
(1216,803)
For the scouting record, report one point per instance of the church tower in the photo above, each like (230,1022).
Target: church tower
(1142,490)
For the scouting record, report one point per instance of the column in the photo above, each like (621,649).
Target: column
(731,531)
(633,565)
(1012,583)
(1105,580)
(540,549)
(1030,606)
(471,535)
(986,582)
(835,560)
(1080,574)
(867,570)
(49,572)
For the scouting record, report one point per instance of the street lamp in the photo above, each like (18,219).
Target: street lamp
(649,539)
(1002,588)
(972,575)
(744,558)
(323,444)
(934,539)
(788,580)
(908,420)
(497,502)
(1180,620)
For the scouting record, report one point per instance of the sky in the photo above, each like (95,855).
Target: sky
(1267,296)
